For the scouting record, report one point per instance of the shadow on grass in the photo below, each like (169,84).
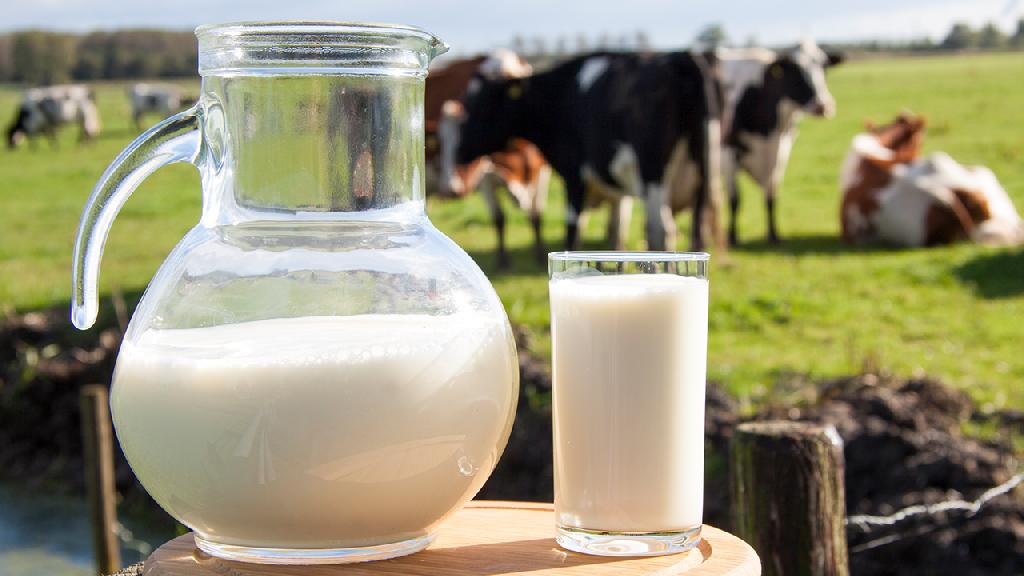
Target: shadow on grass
(817,244)
(994,275)
(522,259)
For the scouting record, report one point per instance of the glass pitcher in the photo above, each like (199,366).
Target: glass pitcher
(315,374)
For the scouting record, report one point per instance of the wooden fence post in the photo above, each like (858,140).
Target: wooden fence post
(788,497)
(99,476)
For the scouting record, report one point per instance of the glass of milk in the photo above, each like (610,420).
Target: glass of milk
(629,337)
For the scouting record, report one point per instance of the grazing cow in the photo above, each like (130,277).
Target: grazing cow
(891,195)
(43,110)
(162,99)
(766,93)
(611,124)
(519,167)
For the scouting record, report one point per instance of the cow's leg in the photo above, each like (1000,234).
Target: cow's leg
(538,201)
(612,234)
(660,226)
(700,203)
(713,223)
(575,194)
(490,193)
(668,224)
(697,228)
(540,253)
(769,205)
(618,221)
(734,203)
(784,144)
(708,201)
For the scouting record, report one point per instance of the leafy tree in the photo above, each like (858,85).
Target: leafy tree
(641,41)
(1018,37)
(991,37)
(39,57)
(960,36)
(711,37)
(582,44)
(6,61)
(88,67)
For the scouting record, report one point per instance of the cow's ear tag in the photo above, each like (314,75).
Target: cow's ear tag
(515,91)
(776,71)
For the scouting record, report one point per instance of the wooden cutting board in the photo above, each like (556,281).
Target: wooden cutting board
(484,539)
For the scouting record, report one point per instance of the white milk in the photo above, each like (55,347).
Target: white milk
(316,432)
(629,354)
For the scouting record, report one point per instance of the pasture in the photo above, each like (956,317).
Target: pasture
(809,308)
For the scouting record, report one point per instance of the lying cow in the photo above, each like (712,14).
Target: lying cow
(161,99)
(43,110)
(891,195)
(615,124)
(519,167)
(766,93)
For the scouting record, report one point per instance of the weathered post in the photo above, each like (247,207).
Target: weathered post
(788,497)
(99,476)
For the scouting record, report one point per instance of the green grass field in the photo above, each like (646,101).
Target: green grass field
(811,307)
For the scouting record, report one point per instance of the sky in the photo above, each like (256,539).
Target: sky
(470,26)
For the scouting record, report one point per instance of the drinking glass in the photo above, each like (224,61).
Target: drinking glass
(629,351)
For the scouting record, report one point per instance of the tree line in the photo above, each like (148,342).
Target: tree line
(39,57)
(961,36)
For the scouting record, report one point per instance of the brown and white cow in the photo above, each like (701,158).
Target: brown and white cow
(892,196)
(519,167)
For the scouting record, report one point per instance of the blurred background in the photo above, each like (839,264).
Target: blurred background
(910,345)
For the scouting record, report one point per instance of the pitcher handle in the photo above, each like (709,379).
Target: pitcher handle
(176,139)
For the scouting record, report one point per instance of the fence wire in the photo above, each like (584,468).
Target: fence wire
(868,522)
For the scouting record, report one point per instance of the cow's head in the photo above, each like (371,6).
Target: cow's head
(800,73)
(483,122)
(903,136)
(490,111)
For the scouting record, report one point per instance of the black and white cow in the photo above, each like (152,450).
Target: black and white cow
(43,110)
(616,125)
(766,93)
(161,99)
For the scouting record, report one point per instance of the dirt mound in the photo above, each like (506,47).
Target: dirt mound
(904,447)
(43,362)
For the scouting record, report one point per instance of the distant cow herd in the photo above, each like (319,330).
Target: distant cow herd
(43,111)
(667,129)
